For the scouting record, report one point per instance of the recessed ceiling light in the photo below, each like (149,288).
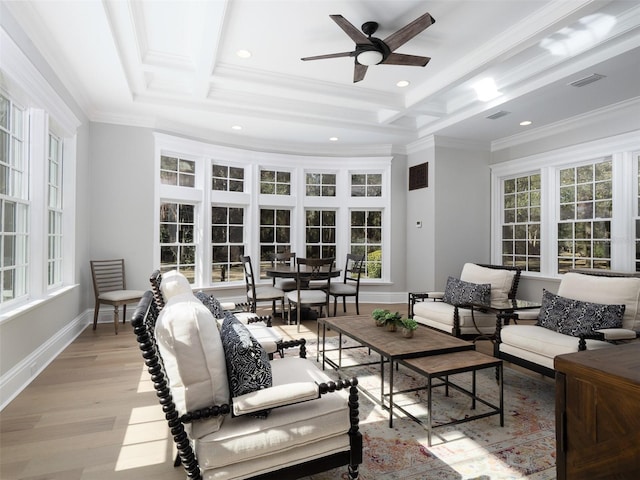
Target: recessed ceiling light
(243,53)
(236,127)
(403,83)
(525,123)
(333,139)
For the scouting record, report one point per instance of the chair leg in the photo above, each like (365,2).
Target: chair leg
(335,306)
(357,307)
(96,310)
(115,318)
(124,313)
(344,304)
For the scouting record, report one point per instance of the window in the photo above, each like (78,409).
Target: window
(366,185)
(582,202)
(275,234)
(321,185)
(177,241)
(320,233)
(175,171)
(366,239)
(14,205)
(273,182)
(585,211)
(54,189)
(227,243)
(521,222)
(227,179)
(237,204)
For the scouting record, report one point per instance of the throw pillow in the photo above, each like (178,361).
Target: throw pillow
(248,366)
(459,292)
(575,317)
(211,303)
(553,310)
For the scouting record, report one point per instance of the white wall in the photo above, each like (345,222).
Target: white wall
(454,210)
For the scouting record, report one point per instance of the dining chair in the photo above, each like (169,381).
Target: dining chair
(262,293)
(350,285)
(309,270)
(284,259)
(110,288)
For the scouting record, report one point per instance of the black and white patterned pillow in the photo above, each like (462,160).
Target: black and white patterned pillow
(211,303)
(459,292)
(575,317)
(248,367)
(552,310)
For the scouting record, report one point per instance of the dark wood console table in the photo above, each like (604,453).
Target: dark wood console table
(597,419)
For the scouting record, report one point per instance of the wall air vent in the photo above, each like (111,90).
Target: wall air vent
(594,77)
(498,114)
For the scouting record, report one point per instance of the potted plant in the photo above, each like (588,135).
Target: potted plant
(392,320)
(379,316)
(409,325)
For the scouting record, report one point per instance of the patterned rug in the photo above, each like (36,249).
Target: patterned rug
(477,450)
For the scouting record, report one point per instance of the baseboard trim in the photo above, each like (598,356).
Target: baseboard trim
(21,375)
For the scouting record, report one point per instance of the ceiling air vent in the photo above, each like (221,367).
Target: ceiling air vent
(594,77)
(498,114)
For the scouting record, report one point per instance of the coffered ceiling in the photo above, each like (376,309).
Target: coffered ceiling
(173,66)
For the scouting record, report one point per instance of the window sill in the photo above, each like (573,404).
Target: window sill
(29,305)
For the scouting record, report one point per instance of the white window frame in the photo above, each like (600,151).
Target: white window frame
(206,154)
(619,148)
(24,83)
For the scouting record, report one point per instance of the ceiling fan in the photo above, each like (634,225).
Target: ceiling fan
(373,51)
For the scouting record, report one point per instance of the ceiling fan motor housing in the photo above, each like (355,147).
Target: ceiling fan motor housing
(376,45)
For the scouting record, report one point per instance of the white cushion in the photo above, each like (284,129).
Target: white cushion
(542,341)
(440,315)
(605,290)
(121,295)
(190,345)
(174,283)
(245,446)
(308,297)
(343,289)
(268,337)
(267,292)
(500,280)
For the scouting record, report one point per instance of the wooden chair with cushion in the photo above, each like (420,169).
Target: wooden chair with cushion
(284,259)
(311,270)
(350,285)
(262,293)
(110,288)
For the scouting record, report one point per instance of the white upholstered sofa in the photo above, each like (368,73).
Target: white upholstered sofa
(459,322)
(536,346)
(234,413)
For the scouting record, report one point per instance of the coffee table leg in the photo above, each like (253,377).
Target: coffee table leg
(429,410)
(340,350)
(390,393)
(324,335)
(473,390)
(501,396)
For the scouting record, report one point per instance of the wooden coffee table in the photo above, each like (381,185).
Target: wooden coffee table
(440,367)
(391,346)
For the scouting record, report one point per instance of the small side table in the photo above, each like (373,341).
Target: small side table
(415,297)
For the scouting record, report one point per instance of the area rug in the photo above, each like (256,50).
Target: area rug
(477,450)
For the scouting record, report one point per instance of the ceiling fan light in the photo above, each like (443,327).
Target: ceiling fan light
(370,57)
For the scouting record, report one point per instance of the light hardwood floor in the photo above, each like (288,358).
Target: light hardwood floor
(92,414)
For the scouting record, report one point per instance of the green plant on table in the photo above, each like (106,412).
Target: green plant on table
(409,323)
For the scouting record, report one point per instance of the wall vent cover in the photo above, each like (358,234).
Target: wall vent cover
(498,114)
(581,82)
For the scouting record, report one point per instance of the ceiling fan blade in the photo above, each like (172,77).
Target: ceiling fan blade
(359,71)
(403,59)
(409,31)
(330,55)
(355,34)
